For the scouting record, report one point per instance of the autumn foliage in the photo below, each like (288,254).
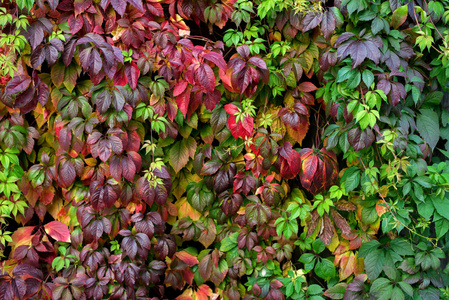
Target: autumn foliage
(224,149)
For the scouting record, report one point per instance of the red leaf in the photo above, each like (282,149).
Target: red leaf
(129,169)
(104,150)
(57,230)
(290,161)
(132,74)
(217,59)
(81,5)
(179,88)
(212,99)
(67,174)
(231,109)
(243,50)
(328,24)
(307,87)
(204,75)
(309,166)
(65,138)
(258,62)
(183,101)
(75,23)
(137,4)
(188,258)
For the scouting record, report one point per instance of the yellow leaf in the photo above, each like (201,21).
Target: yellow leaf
(186,210)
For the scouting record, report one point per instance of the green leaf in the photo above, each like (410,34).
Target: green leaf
(325,269)
(229,242)
(428,127)
(441,227)
(351,178)
(401,247)
(179,155)
(368,77)
(399,16)
(337,291)
(433,99)
(382,287)
(318,246)
(407,288)
(441,206)
(314,289)
(397,294)
(354,80)
(377,25)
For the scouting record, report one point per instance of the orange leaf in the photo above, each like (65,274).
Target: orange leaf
(188,258)
(203,293)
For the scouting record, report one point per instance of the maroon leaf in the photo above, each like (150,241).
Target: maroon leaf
(132,74)
(360,139)
(217,59)
(311,20)
(289,160)
(17,84)
(81,5)
(328,24)
(204,75)
(179,88)
(258,62)
(75,23)
(119,6)
(67,173)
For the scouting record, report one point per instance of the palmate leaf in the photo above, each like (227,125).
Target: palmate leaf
(359,49)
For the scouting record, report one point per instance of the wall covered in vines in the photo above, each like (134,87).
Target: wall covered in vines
(224,149)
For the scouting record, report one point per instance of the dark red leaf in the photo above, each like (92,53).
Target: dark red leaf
(81,5)
(75,23)
(258,62)
(204,75)
(17,84)
(217,59)
(327,24)
(67,173)
(132,74)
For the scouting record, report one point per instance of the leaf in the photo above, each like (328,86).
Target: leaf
(399,16)
(360,139)
(368,77)
(217,59)
(311,20)
(67,174)
(337,291)
(186,257)
(325,269)
(441,205)
(179,155)
(428,126)
(81,5)
(57,230)
(132,74)
(229,242)
(204,75)
(328,24)
(75,23)
(17,84)
(57,74)
(290,161)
